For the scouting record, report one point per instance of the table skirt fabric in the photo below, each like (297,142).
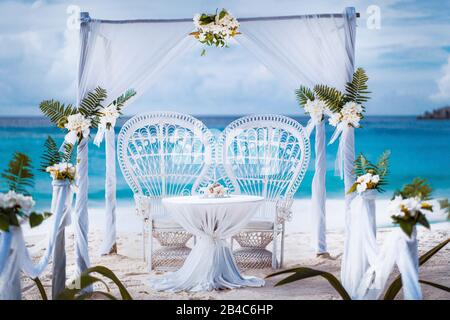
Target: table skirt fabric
(211,264)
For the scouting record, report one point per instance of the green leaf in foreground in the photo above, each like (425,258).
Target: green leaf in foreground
(436,285)
(304,273)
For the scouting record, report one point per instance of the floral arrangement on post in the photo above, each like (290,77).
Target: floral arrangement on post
(58,164)
(347,107)
(316,108)
(370,176)
(77,121)
(215,29)
(109,115)
(410,205)
(16,204)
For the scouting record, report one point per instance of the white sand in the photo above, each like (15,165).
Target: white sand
(130,268)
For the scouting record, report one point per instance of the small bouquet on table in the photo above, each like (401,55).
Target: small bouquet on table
(215,190)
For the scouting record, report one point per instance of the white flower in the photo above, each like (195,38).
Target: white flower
(334,119)
(361,187)
(394,207)
(12,199)
(316,109)
(78,123)
(375,179)
(62,170)
(412,204)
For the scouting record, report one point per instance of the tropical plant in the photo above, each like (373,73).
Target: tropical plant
(364,168)
(304,94)
(410,205)
(301,273)
(76,290)
(19,176)
(114,109)
(52,155)
(16,204)
(355,91)
(89,107)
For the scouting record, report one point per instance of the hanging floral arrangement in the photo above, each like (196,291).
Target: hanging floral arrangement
(215,29)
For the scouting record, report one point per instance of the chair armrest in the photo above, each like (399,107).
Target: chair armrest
(143,205)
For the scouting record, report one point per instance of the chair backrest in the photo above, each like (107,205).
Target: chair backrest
(264,155)
(163,154)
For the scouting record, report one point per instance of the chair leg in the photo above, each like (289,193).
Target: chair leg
(282,246)
(150,252)
(144,239)
(274,250)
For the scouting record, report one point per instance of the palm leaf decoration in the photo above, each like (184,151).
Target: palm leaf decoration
(57,112)
(333,98)
(356,90)
(362,166)
(417,188)
(91,104)
(18,175)
(121,100)
(52,155)
(304,94)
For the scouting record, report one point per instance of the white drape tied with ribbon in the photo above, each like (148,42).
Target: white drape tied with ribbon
(72,137)
(400,250)
(318,190)
(362,248)
(61,206)
(14,256)
(81,217)
(109,238)
(342,131)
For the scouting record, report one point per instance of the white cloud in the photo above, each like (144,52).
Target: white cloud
(443,83)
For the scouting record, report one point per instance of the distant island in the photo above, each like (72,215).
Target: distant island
(438,114)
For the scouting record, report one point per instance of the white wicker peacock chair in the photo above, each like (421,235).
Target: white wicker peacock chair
(264,155)
(164,154)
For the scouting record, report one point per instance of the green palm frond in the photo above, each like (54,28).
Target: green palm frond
(304,94)
(67,154)
(383,163)
(417,188)
(91,104)
(121,100)
(333,98)
(356,90)
(56,111)
(51,154)
(19,176)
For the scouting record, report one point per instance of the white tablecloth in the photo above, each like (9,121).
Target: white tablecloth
(210,265)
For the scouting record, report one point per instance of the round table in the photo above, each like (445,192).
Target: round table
(210,265)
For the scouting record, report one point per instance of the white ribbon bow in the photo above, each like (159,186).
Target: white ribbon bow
(102,129)
(341,131)
(72,136)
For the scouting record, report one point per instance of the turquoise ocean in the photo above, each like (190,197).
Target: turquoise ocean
(419,148)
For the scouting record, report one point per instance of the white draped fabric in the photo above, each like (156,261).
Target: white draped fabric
(362,243)
(308,51)
(109,238)
(81,217)
(210,265)
(318,194)
(400,250)
(301,50)
(14,256)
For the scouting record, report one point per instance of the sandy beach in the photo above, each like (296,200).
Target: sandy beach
(131,269)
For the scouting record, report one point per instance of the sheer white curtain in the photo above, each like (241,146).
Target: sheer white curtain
(118,56)
(307,50)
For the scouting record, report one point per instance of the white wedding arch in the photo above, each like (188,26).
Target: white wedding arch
(131,54)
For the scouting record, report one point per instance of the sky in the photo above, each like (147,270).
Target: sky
(407,58)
